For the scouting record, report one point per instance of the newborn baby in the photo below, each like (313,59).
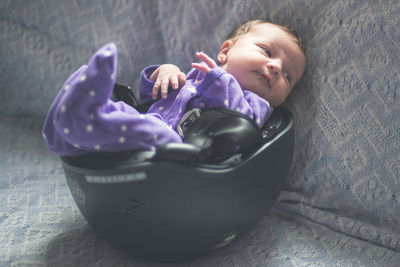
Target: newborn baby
(259,64)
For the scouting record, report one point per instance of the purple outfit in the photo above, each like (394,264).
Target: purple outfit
(84,119)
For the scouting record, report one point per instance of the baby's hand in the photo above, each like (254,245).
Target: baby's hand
(206,59)
(164,76)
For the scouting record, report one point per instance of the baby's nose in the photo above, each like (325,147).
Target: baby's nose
(274,67)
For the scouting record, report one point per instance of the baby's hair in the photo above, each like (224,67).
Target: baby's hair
(245,28)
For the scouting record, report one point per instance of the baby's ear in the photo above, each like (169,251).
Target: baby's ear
(223,52)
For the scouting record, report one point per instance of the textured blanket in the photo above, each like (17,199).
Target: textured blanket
(341,203)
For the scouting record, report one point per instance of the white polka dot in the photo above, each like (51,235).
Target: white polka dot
(226,102)
(92,93)
(121,140)
(44,136)
(76,145)
(63,108)
(66,130)
(155,137)
(258,121)
(91,116)
(124,127)
(112,76)
(161,108)
(196,82)
(238,109)
(67,87)
(83,77)
(180,110)
(89,128)
(97,147)
(202,105)
(192,90)
(141,116)
(107,53)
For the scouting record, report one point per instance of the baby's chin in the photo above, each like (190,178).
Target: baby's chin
(259,89)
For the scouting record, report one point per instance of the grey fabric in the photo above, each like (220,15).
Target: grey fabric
(341,203)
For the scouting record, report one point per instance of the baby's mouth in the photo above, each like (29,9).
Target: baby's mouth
(267,78)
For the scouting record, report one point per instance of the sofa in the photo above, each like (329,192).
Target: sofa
(341,202)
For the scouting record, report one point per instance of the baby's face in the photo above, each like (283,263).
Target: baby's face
(266,60)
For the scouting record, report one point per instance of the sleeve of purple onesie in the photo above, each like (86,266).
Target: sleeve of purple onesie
(221,89)
(146,86)
(84,119)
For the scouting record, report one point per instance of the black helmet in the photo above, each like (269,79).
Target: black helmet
(185,200)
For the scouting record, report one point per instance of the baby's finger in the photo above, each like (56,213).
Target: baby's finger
(204,57)
(164,87)
(201,67)
(174,82)
(156,88)
(181,78)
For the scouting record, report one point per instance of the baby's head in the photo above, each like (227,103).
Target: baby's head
(265,58)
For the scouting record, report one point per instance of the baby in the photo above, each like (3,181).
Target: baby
(260,63)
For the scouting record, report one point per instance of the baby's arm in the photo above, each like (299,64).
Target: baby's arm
(164,76)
